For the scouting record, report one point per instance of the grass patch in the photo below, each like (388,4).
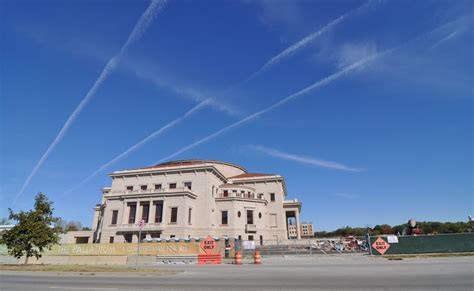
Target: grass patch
(85,269)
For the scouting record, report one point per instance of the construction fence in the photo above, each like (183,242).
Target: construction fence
(373,245)
(422,244)
(189,251)
(304,246)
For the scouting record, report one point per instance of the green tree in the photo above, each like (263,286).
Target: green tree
(34,231)
(73,226)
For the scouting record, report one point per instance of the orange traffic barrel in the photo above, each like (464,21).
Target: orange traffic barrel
(238,258)
(257,258)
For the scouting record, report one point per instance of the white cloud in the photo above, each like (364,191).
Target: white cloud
(352,52)
(304,42)
(304,159)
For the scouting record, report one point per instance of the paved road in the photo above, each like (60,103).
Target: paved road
(303,274)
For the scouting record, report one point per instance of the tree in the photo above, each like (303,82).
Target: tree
(66,226)
(34,230)
(73,226)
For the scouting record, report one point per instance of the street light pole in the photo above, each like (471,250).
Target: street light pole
(141,225)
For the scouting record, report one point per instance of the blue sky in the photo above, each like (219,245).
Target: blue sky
(375,125)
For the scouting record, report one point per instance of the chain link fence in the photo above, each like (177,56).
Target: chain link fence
(305,246)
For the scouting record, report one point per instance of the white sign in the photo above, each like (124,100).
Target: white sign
(248,245)
(392,239)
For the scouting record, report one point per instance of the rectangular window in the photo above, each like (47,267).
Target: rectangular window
(157,186)
(159,211)
(174,214)
(129,188)
(143,187)
(226,193)
(249,216)
(190,212)
(240,237)
(188,185)
(224,219)
(172,185)
(242,193)
(114,217)
(250,237)
(145,212)
(132,212)
(111,240)
(272,197)
(261,240)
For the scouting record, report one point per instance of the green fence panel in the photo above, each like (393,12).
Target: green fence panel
(440,243)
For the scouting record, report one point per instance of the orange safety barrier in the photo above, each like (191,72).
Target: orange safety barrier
(257,258)
(209,259)
(238,258)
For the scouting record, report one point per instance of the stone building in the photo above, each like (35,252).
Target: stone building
(194,198)
(305,230)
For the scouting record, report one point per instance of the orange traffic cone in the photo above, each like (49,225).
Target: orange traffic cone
(238,258)
(258,258)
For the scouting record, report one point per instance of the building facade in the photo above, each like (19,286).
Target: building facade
(305,230)
(193,199)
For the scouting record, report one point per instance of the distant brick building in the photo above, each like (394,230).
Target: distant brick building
(306,231)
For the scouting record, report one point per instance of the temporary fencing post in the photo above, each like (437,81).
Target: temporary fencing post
(368,244)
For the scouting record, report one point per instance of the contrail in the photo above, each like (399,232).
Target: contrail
(302,43)
(306,90)
(448,37)
(325,81)
(143,23)
(160,131)
(304,159)
(209,102)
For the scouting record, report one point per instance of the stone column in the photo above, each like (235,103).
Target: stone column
(138,216)
(298,227)
(152,212)
(126,211)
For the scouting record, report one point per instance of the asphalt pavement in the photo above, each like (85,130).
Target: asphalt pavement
(316,273)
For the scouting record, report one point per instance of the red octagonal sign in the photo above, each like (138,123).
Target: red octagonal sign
(381,245)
